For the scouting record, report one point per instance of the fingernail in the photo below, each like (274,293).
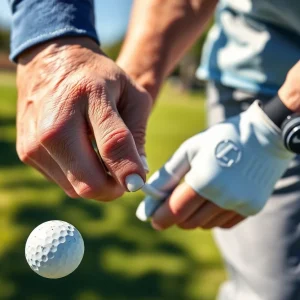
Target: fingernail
(134,182)
(145,163)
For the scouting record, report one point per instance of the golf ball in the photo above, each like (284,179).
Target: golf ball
(54,249)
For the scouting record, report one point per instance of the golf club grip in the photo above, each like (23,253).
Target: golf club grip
(291,133)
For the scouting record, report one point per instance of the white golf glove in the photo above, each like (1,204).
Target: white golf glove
(234,164)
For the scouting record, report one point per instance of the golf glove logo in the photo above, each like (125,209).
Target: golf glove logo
(228,153)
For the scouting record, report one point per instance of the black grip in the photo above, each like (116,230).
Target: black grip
(291,133)
(277,111)
(287,120)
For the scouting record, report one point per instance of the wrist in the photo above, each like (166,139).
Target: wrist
(35,22)
(146,77)
(55,46)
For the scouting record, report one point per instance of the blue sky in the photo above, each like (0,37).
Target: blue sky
(111,15)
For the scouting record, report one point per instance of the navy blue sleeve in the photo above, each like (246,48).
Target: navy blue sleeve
(37,21)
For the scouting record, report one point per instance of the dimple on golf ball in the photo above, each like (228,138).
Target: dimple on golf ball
(54,249)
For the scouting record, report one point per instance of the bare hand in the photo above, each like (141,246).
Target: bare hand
(69,92)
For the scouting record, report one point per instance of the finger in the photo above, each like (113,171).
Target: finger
(43,162)
(135,108)
(69,145)
(52,173)
(220,220)
(181,204)
(206,213)
(232,222)
(116,146)
(35,166)
(33,154)
(67,188)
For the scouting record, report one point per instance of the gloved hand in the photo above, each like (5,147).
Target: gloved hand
(234,165)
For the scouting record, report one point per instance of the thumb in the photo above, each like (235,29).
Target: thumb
(117,149)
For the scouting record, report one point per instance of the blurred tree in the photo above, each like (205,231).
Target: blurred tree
(4,40)
(5,64)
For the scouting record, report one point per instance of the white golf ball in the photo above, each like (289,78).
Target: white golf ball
(54,249)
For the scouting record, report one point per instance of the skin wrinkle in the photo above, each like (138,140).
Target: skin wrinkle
(67,109)
(126,107)
(113,144)
(78,100)
(31,153)
(98,106)
(50,124)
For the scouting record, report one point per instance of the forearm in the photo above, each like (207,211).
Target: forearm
(37,21)
(160,31)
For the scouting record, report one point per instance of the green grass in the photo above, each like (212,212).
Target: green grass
(125,259)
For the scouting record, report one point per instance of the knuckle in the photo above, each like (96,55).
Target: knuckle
(100,107)
(115,143)
(56,137)
(21,153)
(78,88)
(47,133)
(29,152)
(102,113)
(24,157)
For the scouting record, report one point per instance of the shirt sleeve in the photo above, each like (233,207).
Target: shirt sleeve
(37,21)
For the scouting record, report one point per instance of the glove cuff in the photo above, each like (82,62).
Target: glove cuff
(268,134)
